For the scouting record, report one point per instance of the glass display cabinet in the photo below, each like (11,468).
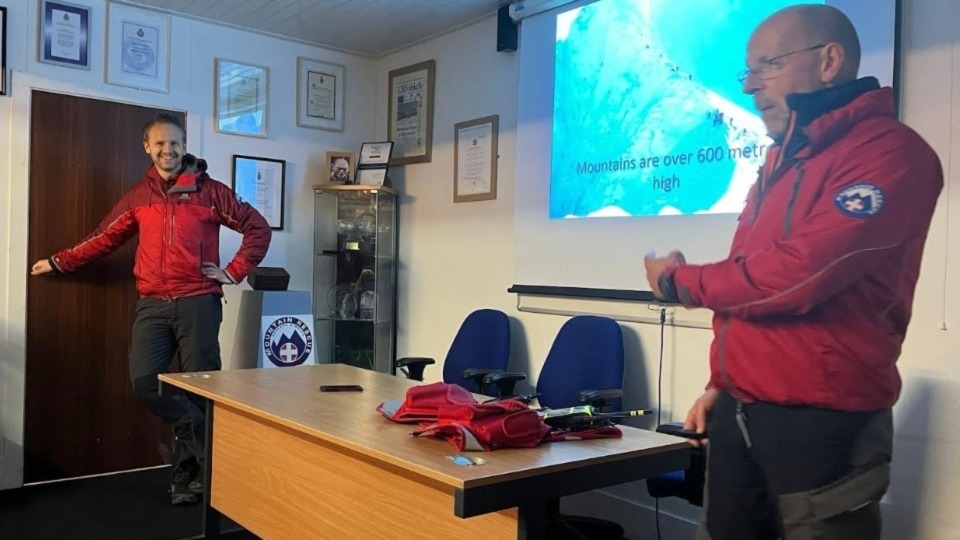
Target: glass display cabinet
(354,275)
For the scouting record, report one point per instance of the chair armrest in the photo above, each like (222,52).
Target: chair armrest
(478,374)
(505,381)
(600,398)
(473,373)
(413,366)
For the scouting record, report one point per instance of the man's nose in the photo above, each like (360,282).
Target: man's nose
(751,84)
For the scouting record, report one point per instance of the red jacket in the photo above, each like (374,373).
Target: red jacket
(812,305)
(179,229)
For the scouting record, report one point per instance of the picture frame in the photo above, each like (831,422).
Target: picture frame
(340,167)
(475,152)
(3,51)
(64,36)
(261,182)
(241,96)
(410,113)
(138,48)
(373,164)
(320,94)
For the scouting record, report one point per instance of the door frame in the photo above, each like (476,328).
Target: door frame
(14,266)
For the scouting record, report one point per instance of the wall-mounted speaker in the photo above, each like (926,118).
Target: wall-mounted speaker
(507,31)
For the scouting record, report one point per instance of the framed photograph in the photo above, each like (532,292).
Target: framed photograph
(261,182)
(3,51)
(340,167)
(320,94)
(410,114)
(138,48)
(241,92)
(64,37)
(475,159)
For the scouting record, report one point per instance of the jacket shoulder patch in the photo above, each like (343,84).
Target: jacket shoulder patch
(860,200)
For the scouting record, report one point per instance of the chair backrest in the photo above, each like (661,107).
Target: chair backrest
(483,341)
(586,354)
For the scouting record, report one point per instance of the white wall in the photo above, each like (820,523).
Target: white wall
(459,257)
(194,45)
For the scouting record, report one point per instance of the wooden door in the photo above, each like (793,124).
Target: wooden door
(81,417)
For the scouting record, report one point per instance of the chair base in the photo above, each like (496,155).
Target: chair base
(583,528)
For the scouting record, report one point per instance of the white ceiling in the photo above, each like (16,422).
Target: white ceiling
(370,28)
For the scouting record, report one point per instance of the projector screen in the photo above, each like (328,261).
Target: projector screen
(634,133)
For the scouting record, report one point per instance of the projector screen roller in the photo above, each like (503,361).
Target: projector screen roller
(632,115)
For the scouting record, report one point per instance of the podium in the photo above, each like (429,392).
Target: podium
(274,329)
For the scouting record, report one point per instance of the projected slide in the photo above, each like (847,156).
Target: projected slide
(648,116)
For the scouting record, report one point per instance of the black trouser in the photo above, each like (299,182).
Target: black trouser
(795,472)
(190,326)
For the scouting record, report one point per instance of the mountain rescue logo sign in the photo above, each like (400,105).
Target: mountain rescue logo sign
(287,342)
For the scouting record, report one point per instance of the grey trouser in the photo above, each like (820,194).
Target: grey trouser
(796,473)
(190,326)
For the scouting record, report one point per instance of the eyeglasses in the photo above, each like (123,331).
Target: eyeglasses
(769,67)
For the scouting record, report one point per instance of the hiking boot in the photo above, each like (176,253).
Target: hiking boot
(179,488)
(197,484)
(180,495)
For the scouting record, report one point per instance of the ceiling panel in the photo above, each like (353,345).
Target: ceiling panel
(371,28)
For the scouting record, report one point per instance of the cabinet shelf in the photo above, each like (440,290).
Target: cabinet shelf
(338,252)
(372,209)
(338,319)
(318,188)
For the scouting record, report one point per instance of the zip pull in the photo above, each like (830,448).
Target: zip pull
(742,422)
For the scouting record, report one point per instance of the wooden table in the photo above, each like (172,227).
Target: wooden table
(287,461)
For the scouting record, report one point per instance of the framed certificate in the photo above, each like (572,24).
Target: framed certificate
(373,163)
(410,114)
(240,98)
(475,159)
(64,34)
(261,182)
(138,48)
(320,94)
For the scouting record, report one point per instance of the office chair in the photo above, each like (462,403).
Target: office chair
(481,347)
(584,366)
(687,484)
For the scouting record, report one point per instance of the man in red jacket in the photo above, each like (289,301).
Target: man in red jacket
(177,210)
(812,305)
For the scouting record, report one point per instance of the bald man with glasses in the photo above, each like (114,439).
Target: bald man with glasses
(813,302)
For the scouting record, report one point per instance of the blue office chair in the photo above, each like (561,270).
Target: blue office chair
(480,348)
(584,366)
(687,484)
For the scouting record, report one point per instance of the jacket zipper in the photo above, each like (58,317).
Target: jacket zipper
(722,353)
(728,384)
(200,265)
(788,217)
(163,251)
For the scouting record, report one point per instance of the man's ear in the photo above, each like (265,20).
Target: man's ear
(146,147)
(831,64)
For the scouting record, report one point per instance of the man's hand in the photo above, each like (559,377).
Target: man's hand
(657,266)
(41,267)
(697,417)
(214,272)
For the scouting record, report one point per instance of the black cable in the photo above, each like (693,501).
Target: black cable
(663,325)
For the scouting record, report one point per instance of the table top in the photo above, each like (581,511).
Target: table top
(291,397)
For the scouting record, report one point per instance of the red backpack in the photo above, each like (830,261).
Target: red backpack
(451,413)
(488,426)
